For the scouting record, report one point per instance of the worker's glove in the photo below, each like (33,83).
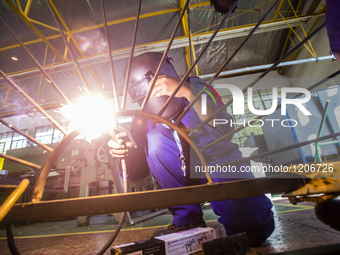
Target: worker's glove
(120,149)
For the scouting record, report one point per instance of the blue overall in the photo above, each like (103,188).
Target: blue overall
(252,215)
(333,24)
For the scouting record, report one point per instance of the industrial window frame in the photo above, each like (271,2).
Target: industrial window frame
(12,140)
(48,134)
(262,100)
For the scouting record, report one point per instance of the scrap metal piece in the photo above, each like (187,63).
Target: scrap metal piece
(325,178)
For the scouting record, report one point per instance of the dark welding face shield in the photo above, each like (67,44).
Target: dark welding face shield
(142,71)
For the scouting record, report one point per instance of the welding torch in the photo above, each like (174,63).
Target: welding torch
(122,136)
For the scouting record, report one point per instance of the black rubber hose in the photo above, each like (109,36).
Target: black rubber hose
(10,239)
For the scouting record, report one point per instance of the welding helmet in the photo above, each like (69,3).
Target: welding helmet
(142,71)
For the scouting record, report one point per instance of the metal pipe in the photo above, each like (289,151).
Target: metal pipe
(329,143)
(322,123)
(137,201)
(20,161)
(72,54)
(28,98)
(258,79)
(286,148)
(180,117)
(12,198)
(197,59)
(122,217)
(127,77)
(231,133)
(112,72)
(261,67)
(146,99)
(32,139)
(42,70)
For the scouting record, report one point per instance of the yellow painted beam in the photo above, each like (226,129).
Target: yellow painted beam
(152,44)
(185,30)
(28,6)
(70,37)
(24,18)
(278,9)
(42,24)
(18,3)
(89,28)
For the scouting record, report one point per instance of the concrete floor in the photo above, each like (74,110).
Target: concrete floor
(296,228)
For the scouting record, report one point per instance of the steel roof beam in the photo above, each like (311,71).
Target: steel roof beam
(26,20)
(178,43)
(115,22)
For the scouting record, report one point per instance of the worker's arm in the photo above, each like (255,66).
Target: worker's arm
(136,164)
(166,84)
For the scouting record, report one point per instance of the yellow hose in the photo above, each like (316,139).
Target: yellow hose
(12,198)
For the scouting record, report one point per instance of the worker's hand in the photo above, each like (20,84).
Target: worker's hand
(119,149)
(166,84)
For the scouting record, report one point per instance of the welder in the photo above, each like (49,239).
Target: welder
(167,156)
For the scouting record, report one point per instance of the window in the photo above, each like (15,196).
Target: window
(19,141)
(262,100)
(48,134)
(12,140)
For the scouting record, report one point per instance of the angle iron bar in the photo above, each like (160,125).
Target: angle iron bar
(286,148)
(68,45)
(112,72)
(128,71)
(28,98)
(197,59)
(136,201)
(47,76)
(151,86)
(231,133)
(180,117)
(32,139)
(258,78)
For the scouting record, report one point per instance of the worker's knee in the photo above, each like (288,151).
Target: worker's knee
(159,140)
(259,234)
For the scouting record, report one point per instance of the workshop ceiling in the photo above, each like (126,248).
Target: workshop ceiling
(83,25)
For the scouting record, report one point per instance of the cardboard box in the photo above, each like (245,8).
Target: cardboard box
(146,247)
(188,241)
(180,243)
